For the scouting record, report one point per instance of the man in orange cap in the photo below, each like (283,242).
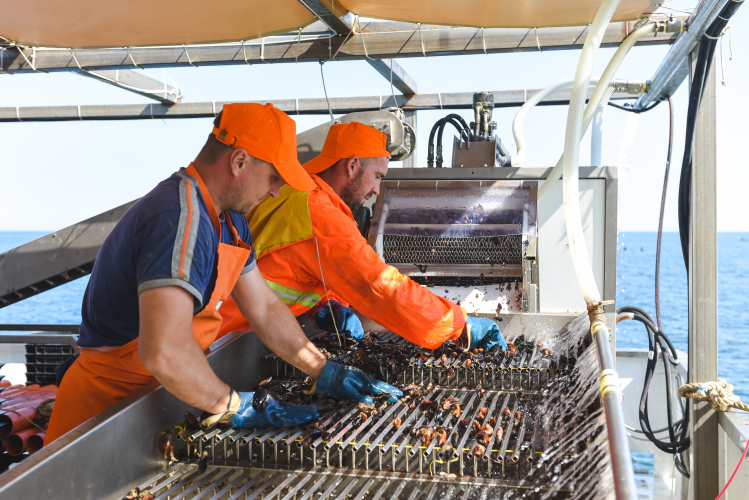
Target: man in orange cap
(311,253)
(150,307)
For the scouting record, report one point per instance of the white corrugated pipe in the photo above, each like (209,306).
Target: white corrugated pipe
(573,134)
(517,123)
(596,133)
(590,110)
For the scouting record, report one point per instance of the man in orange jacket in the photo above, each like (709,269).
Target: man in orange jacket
(311,253)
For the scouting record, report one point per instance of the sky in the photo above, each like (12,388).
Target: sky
(57,174)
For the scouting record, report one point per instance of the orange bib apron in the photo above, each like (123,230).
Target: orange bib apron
(99,379)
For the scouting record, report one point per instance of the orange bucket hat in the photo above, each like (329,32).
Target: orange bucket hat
(267,133)
(346,140)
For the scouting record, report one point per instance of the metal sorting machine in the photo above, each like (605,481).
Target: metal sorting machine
(476,236)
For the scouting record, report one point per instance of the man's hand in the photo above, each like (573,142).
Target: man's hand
(247,412)
(169,351)
(274,324)
(484,333)
(345,319)
(351,384)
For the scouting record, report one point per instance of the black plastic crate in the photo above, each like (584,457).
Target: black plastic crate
(42,359)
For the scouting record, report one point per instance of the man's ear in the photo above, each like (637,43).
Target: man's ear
(239,161)
(352,166)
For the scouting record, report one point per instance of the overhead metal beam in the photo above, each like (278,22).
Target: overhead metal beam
(55,259)
(384,40)
(330,13)
(340,105)
(401,80)
(136,82)
(675,66)
(340,21)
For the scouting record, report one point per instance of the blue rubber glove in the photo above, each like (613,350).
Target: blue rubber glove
(351,384)
(266,412)
(484,333)
(348,323)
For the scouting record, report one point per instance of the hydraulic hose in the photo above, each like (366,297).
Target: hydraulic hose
(659,340)
(458,122)
(590,110)
(699,80)
(596,135)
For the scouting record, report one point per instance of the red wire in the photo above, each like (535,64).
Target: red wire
(746,448)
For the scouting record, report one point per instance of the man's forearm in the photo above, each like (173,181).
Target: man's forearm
(187,375)
(169,351)
(280,331)
(274,324)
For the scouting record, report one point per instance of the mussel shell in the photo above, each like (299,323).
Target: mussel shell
(260,399)
(265,382)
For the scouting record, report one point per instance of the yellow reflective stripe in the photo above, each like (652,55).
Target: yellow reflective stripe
(289,296)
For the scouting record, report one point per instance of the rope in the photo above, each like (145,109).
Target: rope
(719,393)
(44,412)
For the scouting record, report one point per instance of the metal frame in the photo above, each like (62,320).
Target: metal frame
(675,66)
(138,83)
(383,40)
(454,100)
(55,259)
(703,293)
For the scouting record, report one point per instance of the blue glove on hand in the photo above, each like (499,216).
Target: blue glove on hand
(351,384)
(265,412)
(348,323)
(484,333)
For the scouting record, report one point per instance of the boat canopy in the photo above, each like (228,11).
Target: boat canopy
(93,23)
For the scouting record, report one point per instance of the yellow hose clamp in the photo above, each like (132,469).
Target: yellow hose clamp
(599,325)
(610,383)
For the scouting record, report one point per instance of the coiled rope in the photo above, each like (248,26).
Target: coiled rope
(719,393)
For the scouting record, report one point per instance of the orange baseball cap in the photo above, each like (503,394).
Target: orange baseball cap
(346,140)
(267,133)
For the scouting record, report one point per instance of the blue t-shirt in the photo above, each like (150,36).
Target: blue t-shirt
(158,242)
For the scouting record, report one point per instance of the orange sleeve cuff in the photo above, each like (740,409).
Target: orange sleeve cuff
(460,314)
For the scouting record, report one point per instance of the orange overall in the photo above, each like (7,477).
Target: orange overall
(288,232)
(100,378)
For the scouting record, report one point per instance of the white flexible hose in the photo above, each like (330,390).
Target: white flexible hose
(590,110)
(596,133)
(517,123)
(573,134)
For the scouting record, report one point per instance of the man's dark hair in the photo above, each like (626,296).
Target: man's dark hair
(213,150)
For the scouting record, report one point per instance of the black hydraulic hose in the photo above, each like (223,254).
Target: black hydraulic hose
(455,123)
(633,109)
(656,338)
(459,124)
(699,81)
(660,219)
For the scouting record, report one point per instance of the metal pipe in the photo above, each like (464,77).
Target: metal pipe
(674,68)
(621,460)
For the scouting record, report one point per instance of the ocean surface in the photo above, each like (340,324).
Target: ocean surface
(635,286)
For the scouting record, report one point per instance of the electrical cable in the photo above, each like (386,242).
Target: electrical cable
(660,344)
(660,219)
